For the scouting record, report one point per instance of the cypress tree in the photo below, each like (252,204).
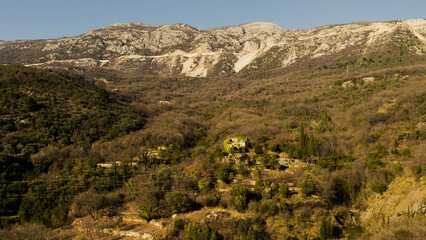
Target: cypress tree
(326,230)
(311,146)
(302,139)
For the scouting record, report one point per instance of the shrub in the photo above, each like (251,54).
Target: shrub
(292,150)
(416,169)
(270,162)
(178,202)
(308,187)
(243,170)
(333,161)
(163,179)
(86,203)
(209,200)
(240,197)
(224,173)
(102,95)
(217,154)
(344,190)
(258,149)
(268,208)
(354,232)
(147,200)
(28,231)
(388,176)
(406,153)
(284,190)
(194,232)
(204,185)
(146,211)
(328,231)
(403,234)
(267,193)
(398,168)
(250,229)
(48,203)
(378,187)
(373,161)
(178,226)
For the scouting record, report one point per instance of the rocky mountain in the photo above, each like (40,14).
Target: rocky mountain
(180,49)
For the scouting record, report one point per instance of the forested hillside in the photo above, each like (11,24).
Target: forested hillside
(45,116)
(325,147)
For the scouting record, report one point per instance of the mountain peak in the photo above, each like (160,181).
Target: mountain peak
(263,26)
(179,26)
(251,28)
(126,26)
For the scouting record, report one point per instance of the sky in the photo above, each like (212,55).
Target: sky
(41,19)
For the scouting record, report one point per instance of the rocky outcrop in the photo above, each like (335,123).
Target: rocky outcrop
(405,196)
(182,49)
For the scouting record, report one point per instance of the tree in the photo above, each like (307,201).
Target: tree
(268,207)
(195,232)
(31,105)
(311,146)
(178,202)
(342,190)
(284,190)
(163,179)
(308,187)
(270,162)
(240,197)
(302,139)
(326,230)
(102,95)
(224,173)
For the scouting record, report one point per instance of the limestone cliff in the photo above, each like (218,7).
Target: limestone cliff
(182,49)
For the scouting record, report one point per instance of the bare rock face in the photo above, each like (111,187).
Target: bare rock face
(182,49)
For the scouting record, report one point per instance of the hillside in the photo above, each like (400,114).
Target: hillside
(249,48)
(42,111)
(261,133)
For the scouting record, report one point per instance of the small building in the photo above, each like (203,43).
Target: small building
(238,144)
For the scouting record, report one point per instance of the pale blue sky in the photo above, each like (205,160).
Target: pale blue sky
(35,19)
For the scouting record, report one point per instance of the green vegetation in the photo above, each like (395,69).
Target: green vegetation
(240,197)
(42,114)
(178,202)
(194,232)
(308,187)
(378,186)
(235,144)
(328,231)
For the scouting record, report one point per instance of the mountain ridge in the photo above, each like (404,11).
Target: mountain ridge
(181,49)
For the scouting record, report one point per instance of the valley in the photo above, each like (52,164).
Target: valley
(246,132)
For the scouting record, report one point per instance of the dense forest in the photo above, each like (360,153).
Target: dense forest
(310,152)
(48,119)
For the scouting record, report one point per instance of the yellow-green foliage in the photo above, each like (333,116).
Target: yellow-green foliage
(228,144)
